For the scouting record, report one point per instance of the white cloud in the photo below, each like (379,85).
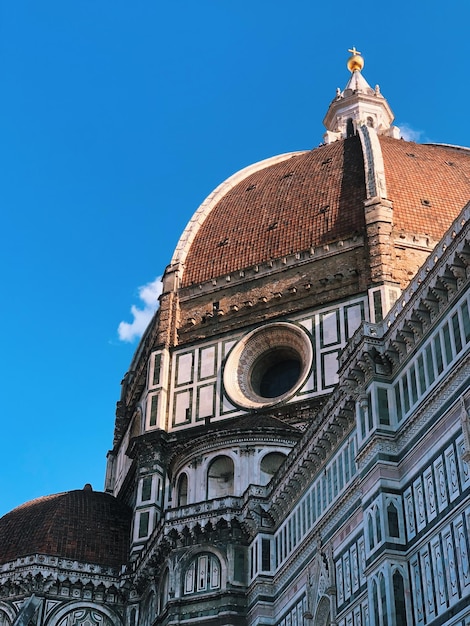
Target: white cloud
(148,294)
(410,134)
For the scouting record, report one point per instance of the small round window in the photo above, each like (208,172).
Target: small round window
(268,365)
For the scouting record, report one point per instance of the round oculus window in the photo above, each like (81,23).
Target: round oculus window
(268,366)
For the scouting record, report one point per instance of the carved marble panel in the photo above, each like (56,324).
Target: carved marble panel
(452,473)
(441,486)
(409,514)
(431,504)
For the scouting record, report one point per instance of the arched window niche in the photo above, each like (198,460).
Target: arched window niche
(350,130)
(269,465)
(220,478)
(203,574)
(370,529)
(182,490)
(392,520)
(164,590)
(149,610)
(4,620)
(399,599)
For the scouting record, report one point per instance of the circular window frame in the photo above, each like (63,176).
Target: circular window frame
(245,356)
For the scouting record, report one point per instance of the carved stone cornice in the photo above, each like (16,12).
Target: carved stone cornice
(381,348)
(223,527)
(376,349)
(309,457)
(39,574)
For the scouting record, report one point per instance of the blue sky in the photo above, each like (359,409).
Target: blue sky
(117,119)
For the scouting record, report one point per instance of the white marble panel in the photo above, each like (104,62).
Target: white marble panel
(184,368)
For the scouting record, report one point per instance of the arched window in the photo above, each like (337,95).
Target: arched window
(220,478)
(399,599)
(392,518)
(182,490)
(370,528)
(4,621)
(164,590)
(322,614)
(202,575)
(383,600)
(133,617)
(370,122)
(378,525)
(149,610)
(350,128)
(375,604)
(269,465)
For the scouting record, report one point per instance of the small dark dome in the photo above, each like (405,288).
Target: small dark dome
(81,525)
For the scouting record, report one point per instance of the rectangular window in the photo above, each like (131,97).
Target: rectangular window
(335,480)
(456,331)
(384,414)
(323,490)
(414,388)
(406,394)
(421,375)
(144,519)
(146,488)
(378,306)
(369,412)
(362,417)
(466,321)
(346,464)
(438,354)
(265,555)
(429,364)
(340,472)
(308,513)
(352,456)
(153,410)
(447,344)
(398,402)
(156,369)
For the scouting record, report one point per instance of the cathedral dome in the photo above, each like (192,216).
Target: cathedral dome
(295,202)
(80,525)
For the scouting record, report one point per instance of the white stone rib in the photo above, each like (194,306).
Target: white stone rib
(373,163)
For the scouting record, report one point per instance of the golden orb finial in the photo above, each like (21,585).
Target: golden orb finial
(355,62)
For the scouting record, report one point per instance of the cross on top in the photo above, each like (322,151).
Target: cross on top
(354,51)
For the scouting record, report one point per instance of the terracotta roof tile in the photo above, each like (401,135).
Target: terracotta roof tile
(304,201)
(317,197)
(428,184)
